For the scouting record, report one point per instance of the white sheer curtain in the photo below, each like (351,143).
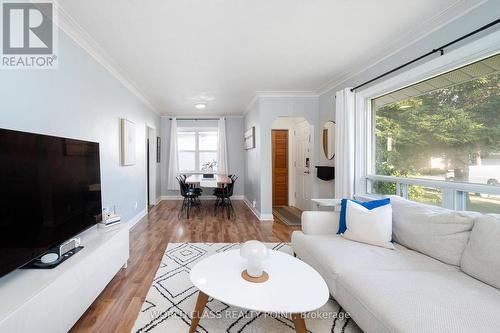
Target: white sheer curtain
(173,161)
(344,143)
(222,166)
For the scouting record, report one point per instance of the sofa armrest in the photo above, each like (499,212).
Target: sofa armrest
(320,222)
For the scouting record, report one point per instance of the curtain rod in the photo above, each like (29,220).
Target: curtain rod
(439,49)
(196,118)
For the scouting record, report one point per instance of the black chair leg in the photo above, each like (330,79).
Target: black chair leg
(232,208)
(182,208)
(216,205)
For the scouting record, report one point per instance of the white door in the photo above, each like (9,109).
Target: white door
(303,166)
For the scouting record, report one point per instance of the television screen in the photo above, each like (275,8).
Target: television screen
(50,190)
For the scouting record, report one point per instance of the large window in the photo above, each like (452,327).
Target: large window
(197,149)
(442,131)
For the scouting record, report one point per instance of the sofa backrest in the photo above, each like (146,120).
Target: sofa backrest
(481,258)
(435,231)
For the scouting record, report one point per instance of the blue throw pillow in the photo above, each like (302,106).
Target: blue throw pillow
(368,205)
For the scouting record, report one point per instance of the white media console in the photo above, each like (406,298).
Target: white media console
(52,300)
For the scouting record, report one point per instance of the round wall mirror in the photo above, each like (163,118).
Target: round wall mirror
(329,139)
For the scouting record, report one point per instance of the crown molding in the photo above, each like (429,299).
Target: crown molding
(250,105)
(176,115)
(80,36)
(277,94)
(424,29)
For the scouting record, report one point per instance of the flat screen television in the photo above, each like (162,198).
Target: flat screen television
(50,191)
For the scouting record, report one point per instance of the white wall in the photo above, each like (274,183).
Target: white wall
(82,100)
(271,108)
(252,158)
(326,113)
(259,160)
(234,137)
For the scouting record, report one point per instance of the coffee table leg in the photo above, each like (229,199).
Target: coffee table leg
(198,311)
(300,324)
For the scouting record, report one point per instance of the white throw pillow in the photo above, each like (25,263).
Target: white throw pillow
(372,227)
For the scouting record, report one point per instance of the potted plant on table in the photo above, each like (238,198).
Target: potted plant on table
(209,167)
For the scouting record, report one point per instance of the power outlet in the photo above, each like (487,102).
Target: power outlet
(253,204)
(135,205)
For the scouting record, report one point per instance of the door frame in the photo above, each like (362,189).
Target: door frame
(312,168)
(150,167)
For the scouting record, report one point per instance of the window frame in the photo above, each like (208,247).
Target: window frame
(197,150)
(454,193)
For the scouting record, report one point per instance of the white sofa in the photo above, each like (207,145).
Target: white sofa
(443,276)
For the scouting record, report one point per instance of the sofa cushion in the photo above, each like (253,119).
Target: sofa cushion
(333,255)
(438,232)
(416,301)
(481,258)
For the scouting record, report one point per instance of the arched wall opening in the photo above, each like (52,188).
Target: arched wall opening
(292,156)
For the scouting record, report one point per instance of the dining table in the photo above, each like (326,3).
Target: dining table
(221,180)
(217,181)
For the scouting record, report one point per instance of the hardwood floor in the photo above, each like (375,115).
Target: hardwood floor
(116,308)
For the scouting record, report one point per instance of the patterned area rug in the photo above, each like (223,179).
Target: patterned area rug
(170,301)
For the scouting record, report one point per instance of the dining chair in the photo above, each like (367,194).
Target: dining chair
(223,197)
(219,195)
(198,190)
(190,197)
(218,191)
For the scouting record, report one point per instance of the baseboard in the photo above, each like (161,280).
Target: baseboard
(158,200)
(170,197)
(257,213)
(203,197)
(252,208)
(266,217)
(134,220)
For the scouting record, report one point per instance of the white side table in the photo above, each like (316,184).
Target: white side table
(219,276)
(327,202)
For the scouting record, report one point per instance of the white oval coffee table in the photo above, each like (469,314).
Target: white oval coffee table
(293,286)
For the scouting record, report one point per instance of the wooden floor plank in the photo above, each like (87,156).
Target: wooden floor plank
(116,308)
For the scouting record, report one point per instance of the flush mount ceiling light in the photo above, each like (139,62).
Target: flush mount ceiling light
(200,106)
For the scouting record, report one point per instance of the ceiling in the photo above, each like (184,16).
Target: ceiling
(177,52)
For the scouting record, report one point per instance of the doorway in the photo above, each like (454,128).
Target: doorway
(151,160)
(291,151)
